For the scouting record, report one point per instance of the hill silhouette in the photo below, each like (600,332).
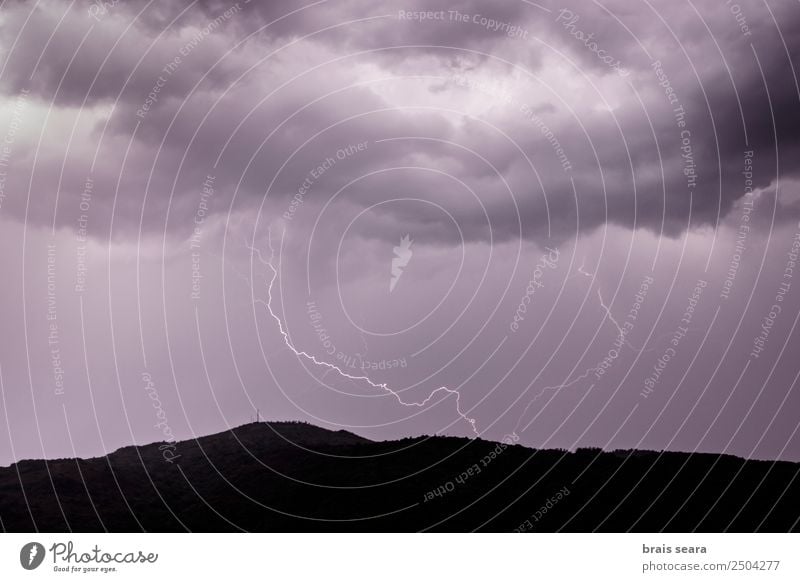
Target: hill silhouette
(291,476)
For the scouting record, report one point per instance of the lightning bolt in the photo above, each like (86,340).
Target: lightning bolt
(32,555)
(610,317)
(620,333)
(584,272)
(542,392)
(641,350)
(331,367)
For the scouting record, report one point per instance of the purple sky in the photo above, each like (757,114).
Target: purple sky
(602,204)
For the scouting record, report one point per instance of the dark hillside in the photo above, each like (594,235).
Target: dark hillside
(298,477)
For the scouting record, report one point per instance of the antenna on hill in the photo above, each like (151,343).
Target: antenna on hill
(257,417)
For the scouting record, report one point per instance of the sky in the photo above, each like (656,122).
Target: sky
(576,224)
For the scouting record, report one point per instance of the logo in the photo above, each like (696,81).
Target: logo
(31,555)
(402,256)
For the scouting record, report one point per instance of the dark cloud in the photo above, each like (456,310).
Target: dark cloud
(218,95)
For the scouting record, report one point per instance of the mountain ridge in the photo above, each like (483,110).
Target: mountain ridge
(295,476)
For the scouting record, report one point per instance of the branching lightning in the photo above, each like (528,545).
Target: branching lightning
(546,389)
(273,275)
(621,333)
(269,264)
